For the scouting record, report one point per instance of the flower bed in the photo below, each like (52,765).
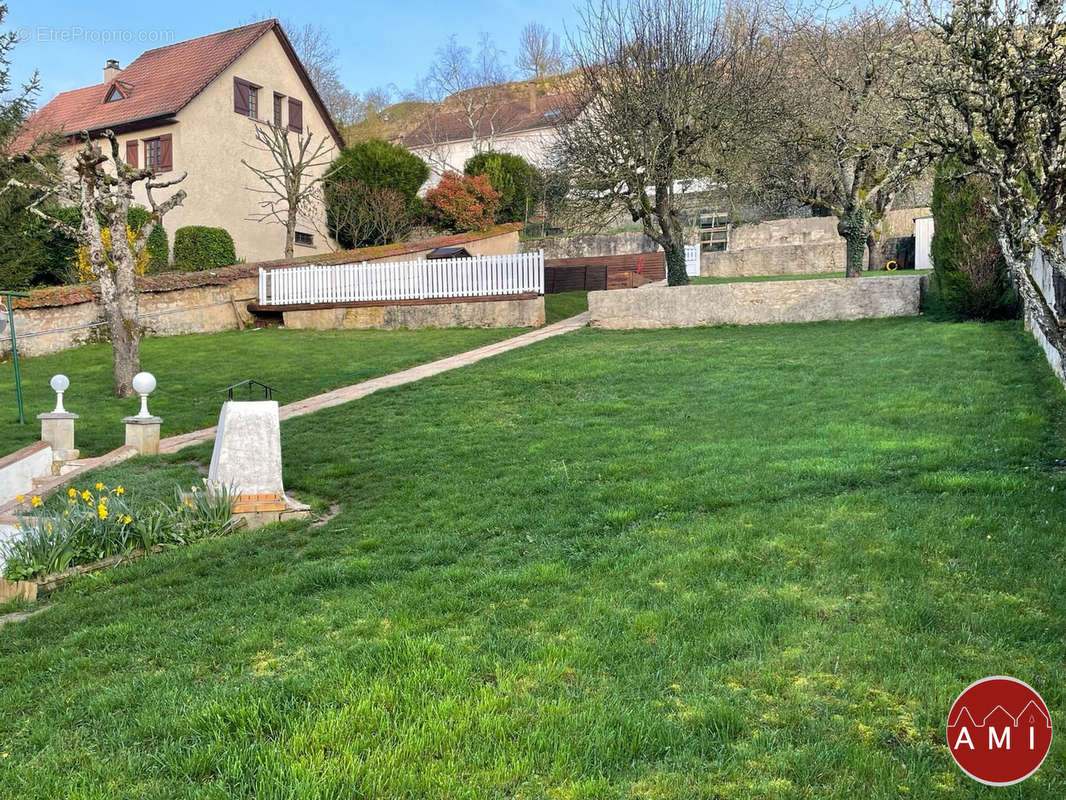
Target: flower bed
(101,523)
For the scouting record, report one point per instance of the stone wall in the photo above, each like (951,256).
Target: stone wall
(516,313)
(605,244)
(755,303)
(173,303)
(784,259)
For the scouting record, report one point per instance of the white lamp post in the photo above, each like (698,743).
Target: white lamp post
(144,385)
(59,384)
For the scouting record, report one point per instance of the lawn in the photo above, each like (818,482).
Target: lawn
(877,273)
(752,562)
(564,305)
(191,370)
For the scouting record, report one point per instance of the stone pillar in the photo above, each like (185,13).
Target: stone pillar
(143,434)
(57,428)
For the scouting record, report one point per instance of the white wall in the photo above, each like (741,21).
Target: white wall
(534,146)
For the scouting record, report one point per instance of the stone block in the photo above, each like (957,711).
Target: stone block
(142,434)
(57,428)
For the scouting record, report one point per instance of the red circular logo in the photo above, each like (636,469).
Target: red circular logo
(999,731)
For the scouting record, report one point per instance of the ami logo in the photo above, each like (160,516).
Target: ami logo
(999,731)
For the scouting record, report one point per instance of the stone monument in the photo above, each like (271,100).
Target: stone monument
(247,461)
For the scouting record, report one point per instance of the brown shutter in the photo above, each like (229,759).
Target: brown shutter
(296,115)
(131,152)
(166,154)
(240,97)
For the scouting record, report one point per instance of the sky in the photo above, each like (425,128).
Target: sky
(380,42)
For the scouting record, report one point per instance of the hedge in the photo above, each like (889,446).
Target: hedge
(517,181)
(198,247)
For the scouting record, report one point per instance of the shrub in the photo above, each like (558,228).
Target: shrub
(373,164)
(517,181)
(463,202)
(370,215)
(158,247)
(102,522)
(198,247)
(970,271)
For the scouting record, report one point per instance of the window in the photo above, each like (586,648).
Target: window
(714,231)
(296,116)
(158,154)
(245,98)
(278,98)
(114,94)
(305,239)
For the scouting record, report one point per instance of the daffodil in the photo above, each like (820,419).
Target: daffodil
(119,490)
(102,511)
(86,495)
(72,492)
(99,486)
(36,501)
(126,520)
(20,497)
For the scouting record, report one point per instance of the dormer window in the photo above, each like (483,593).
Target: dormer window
(114,93)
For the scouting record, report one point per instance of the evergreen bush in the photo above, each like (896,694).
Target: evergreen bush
(198,247)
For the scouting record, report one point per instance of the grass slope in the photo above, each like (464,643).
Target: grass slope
(723,563)
(191,370)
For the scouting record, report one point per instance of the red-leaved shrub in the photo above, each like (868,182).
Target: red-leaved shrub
(463,202)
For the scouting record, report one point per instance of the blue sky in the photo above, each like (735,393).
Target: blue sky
(380,42)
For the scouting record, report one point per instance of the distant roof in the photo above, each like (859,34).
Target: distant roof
(158,84)
(507,116)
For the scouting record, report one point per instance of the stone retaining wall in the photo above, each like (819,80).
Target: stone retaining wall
(597,244)
(757,303)
(516,313)
(173,303)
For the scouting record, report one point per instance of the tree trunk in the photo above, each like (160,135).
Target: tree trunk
(875,249)
(676,272)
(1035,310)
(852,226)
(126,350)
(290,231)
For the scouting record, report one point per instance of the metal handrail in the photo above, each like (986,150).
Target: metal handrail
(268,391)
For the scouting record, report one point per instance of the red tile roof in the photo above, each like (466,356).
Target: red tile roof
(158,83)
(508,116)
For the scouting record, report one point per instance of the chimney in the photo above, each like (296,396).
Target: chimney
(111,70)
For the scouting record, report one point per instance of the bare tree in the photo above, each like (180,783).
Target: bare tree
(468,83)
(846,143)
(664,91)
(101,186)
(993,89)
(538,52)
(291,183)
(314,46)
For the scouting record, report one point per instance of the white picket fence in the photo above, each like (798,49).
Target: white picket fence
(692,260)
(480,276)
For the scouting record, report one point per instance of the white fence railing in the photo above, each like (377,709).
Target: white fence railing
(480,276)
(692,260)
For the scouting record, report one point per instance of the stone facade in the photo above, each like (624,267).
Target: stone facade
(757,303)
(520,313)
(600,244)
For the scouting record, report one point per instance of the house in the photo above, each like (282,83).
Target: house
(193,107)
(445,140)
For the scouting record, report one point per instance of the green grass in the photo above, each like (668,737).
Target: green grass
(715,563)
(191,369)
(564,305)
(877,273)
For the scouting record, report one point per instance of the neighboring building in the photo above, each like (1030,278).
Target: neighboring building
(446,139)
(192,107)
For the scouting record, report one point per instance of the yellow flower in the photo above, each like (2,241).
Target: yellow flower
(85,495)
(119,490)
(36,501)
(126,520)
(99,486)
(188,502)
(102,511)
(20,497)
(72,492)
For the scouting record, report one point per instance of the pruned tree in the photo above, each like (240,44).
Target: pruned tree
(992,85)
(101,185)
(368,215)
(290,183)
(664,91)
(468,83)
(539,54)
(845,143)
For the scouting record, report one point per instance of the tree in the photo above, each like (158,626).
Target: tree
(468,83)
(992,86)
(845,145)
(516,180)
(314,46)
(463,202)
(290,187)
(538,52)
(373,173)
(664,91)
(101,185)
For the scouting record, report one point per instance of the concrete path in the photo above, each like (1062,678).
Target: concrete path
(309,405)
